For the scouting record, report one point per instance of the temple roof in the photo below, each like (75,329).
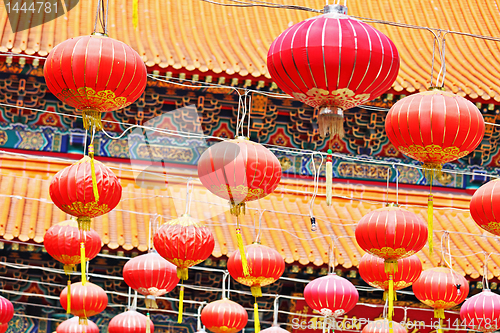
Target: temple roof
(27,212)
(200,37)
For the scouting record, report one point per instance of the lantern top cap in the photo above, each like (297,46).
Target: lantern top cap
(338,9)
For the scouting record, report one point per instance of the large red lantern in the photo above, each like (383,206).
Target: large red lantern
(130,322)
(481,312)
(372,271)
(483,207)
(87,300)
(266,266)
(150,275)
(224,316)
(441,288)
(6,311)
(331,295)
(62,242)
(333,62)
(73,325)
(95,74)
(383,326)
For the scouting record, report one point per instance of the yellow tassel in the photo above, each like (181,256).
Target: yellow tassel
(329,178)
(68,269)
(439,313)
(83,321)
(256,320)
(390,266)
(82,258)
(430,217)
(148,326)
(256,291)
(391,298)
(83,223)
(91,118)
(135,15)
(391,330)
(244,262)
(386,292)
(181,305)
(151,302)
(68,309)
(94,178)
(440,329)
(182,273)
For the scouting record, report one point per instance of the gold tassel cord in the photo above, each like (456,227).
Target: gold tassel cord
(241,247)
(329,178)
(182,273)
(82,258)
(390,313)
(135,14)
(148,326)
(391,328)
(68,269)
(440,329)
(256,291)
(256,320)
(181,305)
(150,302)
(68,309)
(83,223)
(92,169)
(92,118)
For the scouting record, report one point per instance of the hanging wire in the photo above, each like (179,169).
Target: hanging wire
(97,15)
(276,310)
(485,271)
(199,325)
(189,195)
(397,183)
(387,192)
(249,97)
(257,237)
(332,255)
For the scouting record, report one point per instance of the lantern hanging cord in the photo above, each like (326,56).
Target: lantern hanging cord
(257,237)
(445,239)
(485,270)
(387,192)
(442,70)
(276,310)
(189,196)
(316,174)
(198,319)
(397,183)
(332,255)
(224,277)
(256,3)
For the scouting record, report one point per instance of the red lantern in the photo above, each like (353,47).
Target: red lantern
(73,325)
(274,329)
(481,312)
(130,322)
(372,271)
(62,242)
(87,300)
(6,310)
(224,316)
(383,326)
(331,295)
(441,288)
(150,275)
(184,242)
(333,62)
(95,74)
(4,327)
(483,207)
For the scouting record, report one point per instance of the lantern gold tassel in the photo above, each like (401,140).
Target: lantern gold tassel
(135,13)
(148,326)
(390,313)
(82,259)
(386,293)
(83,321)
(331,120)
(182,273)
(68,269)
(83,223)
(391,330)
(68,310)
(94,178)
(92,118)
(256,291)
(329,178)
(430,218)
(181,305)
(150,302)
(243,256)
(256,320)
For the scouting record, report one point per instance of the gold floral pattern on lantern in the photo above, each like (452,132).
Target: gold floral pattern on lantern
(433,153)
(256,280)
(388,252)
(184,263)
(343,98)
(90,209)
(239,193)
(88,98)
(398,285)
(493,227)
(439,304)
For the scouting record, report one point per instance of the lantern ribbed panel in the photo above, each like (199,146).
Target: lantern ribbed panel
(435,127)
(86,301)
(274,329)
(150,274)
(333,60)
(239,170)
(184,242)
(372,271)
(224,316)
(72,325)
(71,189)
(331,295)
(484,208)
(436,288)
(62,242)
(95,72)
(391,233)
(266,265)
(481,312)
(4,327)
(382,326)
(129,322)
(6,310)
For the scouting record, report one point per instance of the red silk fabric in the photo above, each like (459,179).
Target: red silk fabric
(331,295)
(224,316)
(481,312)
(95,72)
(129,322)
(333,60)
(484,207)
(6,310)
(391,233)
(150,274)
(435,127)
(372,271)
(86,300)
(72,325)
(62,242)
(71,189)
(382,326)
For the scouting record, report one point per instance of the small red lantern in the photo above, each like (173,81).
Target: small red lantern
(331,295)
(333,62)
(6,311)
(87,300)
(150,275)
(441,288)
(483,207)
(62,242)
(481,312)
(224,316)
(372,271)
(383,326)
(73,325)
(130,322)
(95,74)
